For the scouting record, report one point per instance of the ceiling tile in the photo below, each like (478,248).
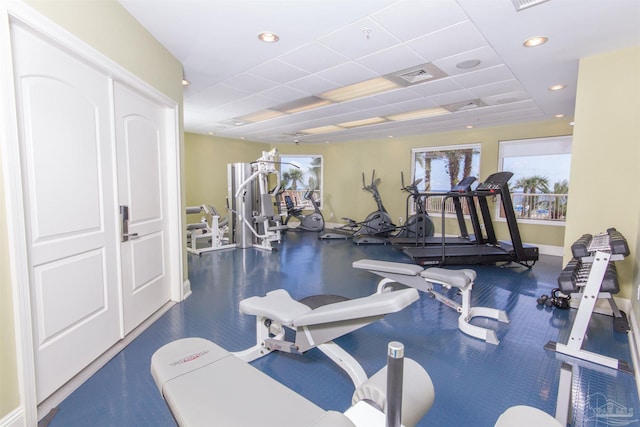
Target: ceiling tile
(395,58)
(278,71)
(413,18)
(348,73)
(359,39)
(313,57)
(449,41)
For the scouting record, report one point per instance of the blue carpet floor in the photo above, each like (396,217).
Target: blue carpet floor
(474,381)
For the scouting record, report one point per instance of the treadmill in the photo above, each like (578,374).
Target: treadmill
(459,192)
(486,250)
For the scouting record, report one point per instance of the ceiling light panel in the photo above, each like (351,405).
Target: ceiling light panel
(322,129)
(261,116)
(418,114)
(362,122)
(302,104)
(359,90)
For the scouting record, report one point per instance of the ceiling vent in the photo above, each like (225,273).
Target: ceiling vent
(416,75)
(466,105)
(524,4)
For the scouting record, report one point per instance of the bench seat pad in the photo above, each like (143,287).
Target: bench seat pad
(388,267)
(205,385)
(456,278)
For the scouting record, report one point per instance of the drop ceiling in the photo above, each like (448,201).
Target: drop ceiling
(328,44)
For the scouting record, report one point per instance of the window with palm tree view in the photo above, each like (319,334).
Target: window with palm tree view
(540,182)
(301,179)
(439,169)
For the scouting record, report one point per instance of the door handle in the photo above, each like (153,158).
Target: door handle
(124,224)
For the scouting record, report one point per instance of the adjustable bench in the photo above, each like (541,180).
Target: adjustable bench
(414,276)
(317,327)
(204,385)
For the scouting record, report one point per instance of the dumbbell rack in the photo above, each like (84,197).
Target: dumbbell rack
(593,255)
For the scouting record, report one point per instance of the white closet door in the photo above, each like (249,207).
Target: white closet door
(71,218)
(141,141)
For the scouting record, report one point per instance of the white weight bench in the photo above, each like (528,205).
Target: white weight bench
(414,276)
(204,385)
(317,327)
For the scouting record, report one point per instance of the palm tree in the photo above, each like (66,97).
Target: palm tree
(453,165)
(560,210)
(293,176)
(424,160)
(316,169)
(531,185)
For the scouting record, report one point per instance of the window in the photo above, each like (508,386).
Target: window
(540,182)
(440,168)
(300,174)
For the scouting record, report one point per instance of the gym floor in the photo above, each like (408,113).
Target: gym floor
(474,381)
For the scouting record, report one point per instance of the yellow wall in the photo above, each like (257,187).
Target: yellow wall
(206,158)
(108,27)
(606,155)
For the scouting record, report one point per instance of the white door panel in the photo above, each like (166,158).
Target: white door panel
(141,156)
(64,115)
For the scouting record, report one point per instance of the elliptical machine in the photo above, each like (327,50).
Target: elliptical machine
(378,225)
(375,228)
(309,222)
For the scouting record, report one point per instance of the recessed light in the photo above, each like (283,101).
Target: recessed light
(268,37)
(557,87)
(470,63)
(559,116)
(185,82)
(535,41)
(469,126)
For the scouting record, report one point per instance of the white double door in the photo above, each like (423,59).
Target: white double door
(88,145)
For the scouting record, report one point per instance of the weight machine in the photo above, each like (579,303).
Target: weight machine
(254,221)
(210,229)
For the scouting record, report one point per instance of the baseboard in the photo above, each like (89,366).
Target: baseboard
(63,392)
(186,289)
(14,418)
(634,341)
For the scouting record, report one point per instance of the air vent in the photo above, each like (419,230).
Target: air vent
(466,105)
(524,4)
(416,75)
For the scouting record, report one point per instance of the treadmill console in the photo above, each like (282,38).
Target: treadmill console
(464,185)
(495,181)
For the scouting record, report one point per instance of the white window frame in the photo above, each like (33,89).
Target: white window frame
(532,147)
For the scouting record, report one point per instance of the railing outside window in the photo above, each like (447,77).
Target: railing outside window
(534,206)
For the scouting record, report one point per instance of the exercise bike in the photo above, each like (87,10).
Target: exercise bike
(309,222)
(419,224)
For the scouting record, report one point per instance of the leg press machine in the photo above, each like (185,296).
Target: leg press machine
(414,276)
